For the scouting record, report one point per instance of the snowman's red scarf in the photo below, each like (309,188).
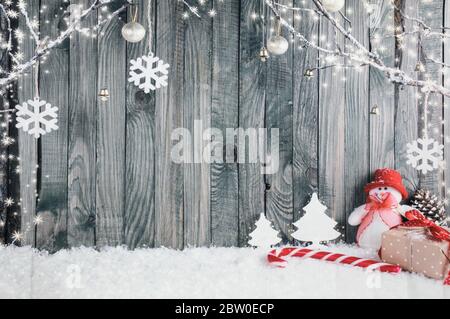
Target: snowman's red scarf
(383,207)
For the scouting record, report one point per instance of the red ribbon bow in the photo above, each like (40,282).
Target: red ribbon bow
(416,219)
(386,202)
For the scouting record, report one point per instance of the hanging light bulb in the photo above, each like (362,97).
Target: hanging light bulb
(309,73)
(133,31)
(333,5)
(264,54)
(375,110)
(278,45)
(104,94)
(420,67)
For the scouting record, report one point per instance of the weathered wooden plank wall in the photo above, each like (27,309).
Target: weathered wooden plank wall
(82,107)
(106,176)
(4,105)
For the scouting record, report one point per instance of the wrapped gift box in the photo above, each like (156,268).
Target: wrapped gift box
(415,250)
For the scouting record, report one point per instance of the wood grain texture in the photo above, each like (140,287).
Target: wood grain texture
(4,105)
(433,15)
(54,88)
(447,108)
(332,131)
(106,177)
(82,137)
(382,92)
(407,116)
(251,115)
(197,118)
(11,97)
(225,114)
(169,179)
(139,216)
(306,117)
(279,115)
(357,122)
(110,164)
(28,145)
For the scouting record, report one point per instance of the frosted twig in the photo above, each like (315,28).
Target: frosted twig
(297,9)
(193,9)
(340,66)
(363,55)
(33,33)
(42,50)
(432,60)
(8,22)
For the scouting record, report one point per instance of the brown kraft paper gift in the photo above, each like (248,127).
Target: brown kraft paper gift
(415,250)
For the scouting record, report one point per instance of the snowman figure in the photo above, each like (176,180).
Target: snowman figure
(383,210)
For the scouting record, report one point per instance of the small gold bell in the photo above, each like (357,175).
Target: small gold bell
(375,110)
(309,73)
(264,54)
(420,67)
(104,94)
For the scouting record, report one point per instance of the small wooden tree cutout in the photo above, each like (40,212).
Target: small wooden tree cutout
(264,236)
(315,226)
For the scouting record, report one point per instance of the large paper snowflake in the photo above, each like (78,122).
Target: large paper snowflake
(425,155)
(37,117)
(149,73)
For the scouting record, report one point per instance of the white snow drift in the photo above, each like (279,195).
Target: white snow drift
(195,273)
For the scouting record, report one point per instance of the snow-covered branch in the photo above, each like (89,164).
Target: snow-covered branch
(3,11)
(43,48)
(360,54)
(193,9)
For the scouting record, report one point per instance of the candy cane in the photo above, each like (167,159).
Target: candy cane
(278,258)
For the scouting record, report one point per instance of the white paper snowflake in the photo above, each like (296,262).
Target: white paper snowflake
(425,155)
(149,73)
(37,117)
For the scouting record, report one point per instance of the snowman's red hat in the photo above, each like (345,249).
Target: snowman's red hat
(388,178)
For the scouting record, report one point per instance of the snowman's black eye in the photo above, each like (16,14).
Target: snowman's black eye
(380,189)
(385,188)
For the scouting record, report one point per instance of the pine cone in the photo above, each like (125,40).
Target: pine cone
(430,206)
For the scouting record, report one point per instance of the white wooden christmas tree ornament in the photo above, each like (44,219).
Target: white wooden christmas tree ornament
(264,236)
(315,226)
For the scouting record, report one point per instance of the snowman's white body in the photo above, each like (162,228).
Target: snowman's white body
(372,234)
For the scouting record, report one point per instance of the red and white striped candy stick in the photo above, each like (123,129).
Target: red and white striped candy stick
(278,258)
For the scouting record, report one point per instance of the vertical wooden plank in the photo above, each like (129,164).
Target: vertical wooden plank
(140,156)
(13,167)
(112,74)
(82,139)
(382,92)
(4,105)
(225,114)
(28,145)
(54,83)
(432,13)
(406,118)
(447,107)
(251,115)
(332,129)
(197,109)
(357,120)
(306,112)
(279,115)
(169,116)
